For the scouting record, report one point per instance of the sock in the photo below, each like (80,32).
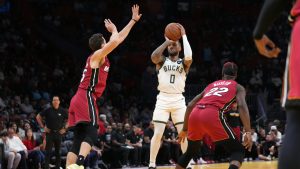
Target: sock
(80,160)
(233,167)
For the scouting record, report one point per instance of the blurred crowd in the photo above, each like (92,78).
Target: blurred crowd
(34,67)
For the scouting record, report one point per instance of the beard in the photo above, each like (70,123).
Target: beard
(173,53)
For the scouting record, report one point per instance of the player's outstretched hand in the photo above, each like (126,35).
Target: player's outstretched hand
(111,27)
(181,136)
(182,30)
(135,12)
(248,141)
(267,47)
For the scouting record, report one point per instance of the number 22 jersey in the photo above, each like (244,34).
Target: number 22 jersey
(221,94)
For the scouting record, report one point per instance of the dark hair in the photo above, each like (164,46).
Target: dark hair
(229,69)
(3,134)
(31,139)
(95,41)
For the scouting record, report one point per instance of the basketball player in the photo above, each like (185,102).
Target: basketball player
(83,112)
(290,151)
(205,115)
(172,72)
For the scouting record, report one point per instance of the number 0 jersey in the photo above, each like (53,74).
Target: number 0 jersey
(171,77)
(94,80)
(221,93)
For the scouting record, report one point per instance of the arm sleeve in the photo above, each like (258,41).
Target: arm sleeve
(270,11)
(187,48)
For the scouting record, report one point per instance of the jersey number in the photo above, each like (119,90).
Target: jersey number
(216,91)
(83,75)
(172,79)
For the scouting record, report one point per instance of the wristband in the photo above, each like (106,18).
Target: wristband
(134,20)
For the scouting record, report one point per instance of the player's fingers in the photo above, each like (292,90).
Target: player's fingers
(109,21)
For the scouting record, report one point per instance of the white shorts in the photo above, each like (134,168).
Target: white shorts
(169,104)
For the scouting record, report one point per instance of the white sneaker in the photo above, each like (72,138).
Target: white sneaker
(201,161)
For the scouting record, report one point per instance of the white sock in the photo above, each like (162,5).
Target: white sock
(159,129)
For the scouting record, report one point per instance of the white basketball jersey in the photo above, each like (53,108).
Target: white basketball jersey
(171,77)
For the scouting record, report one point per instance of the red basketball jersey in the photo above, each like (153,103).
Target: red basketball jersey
(95,79)
(220,94)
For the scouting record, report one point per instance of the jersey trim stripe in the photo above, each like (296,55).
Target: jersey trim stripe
(178,123)
(158,121)
(225,107)
(93,82)
(91,108)
(226,126)
(285,79)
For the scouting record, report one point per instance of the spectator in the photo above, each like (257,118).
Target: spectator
(34,153)
(107,146)
(148,134)
(120,151)
(268,150)
(135,138)
(26,107)
(13,158)
(17,146)
(278,135)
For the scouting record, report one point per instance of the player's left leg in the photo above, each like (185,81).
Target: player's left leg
(85,136)
(192,150)
(236,150)
(177,116)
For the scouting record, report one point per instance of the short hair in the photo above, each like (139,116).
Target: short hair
(95,41)
(229,69)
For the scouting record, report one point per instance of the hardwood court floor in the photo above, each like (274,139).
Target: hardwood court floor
(246,165)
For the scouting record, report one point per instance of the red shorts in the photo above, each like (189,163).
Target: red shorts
(208,121)
(83,108)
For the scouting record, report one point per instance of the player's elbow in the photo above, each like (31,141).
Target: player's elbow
(155,58)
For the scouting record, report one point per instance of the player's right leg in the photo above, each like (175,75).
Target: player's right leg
(73,153)
(160,118)
(290,150)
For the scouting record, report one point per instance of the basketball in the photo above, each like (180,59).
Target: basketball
(172,31)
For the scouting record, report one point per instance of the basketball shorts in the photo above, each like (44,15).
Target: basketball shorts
(83,108)
(208,120)
(169,105)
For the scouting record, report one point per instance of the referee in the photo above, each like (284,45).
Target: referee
(55,119)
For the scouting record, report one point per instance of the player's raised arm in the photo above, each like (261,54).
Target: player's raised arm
(269,12)
(116,37)
(187,50)
(244,114)
(157,56)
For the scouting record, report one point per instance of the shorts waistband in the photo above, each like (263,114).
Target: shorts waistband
(204,106)
(170,94)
